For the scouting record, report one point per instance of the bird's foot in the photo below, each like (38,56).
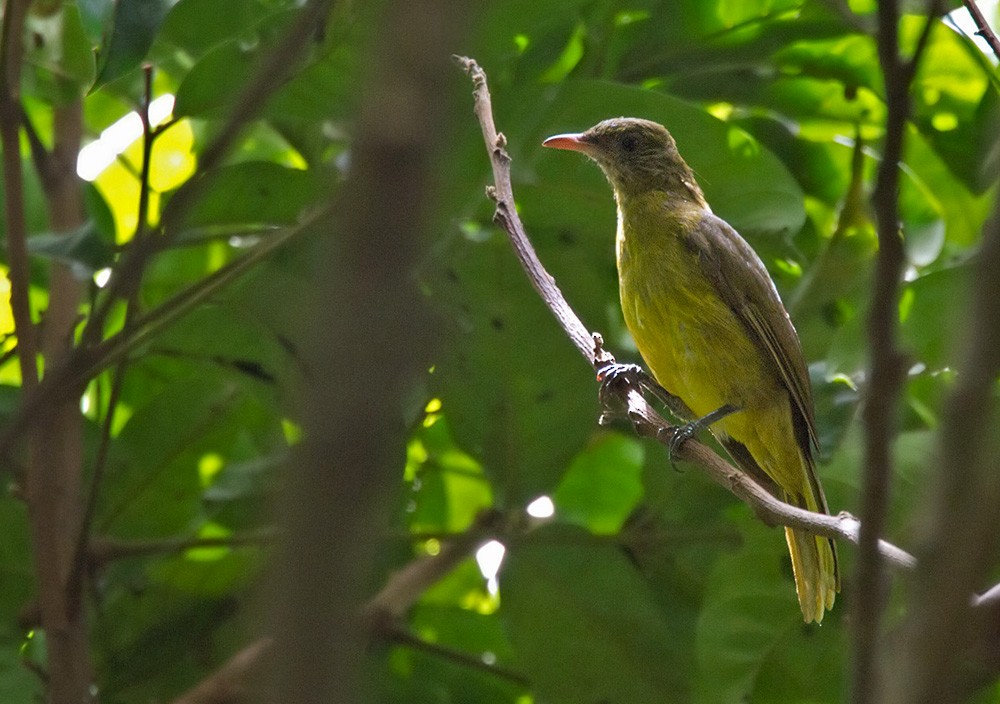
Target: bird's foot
(615,373)
(614,378)
(683,433)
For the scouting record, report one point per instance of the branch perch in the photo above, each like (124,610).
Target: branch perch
(646,420)
(983,27)
(502,193)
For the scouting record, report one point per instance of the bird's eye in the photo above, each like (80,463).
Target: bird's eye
(628,143)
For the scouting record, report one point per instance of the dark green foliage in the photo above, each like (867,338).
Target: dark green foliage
(648,585)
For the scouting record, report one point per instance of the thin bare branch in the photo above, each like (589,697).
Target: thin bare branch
(118,376)
(506,217)
(887,367)
(11,55)
(406,585)
(887,363)
(983,28)
(229,684)
(400,636)
(768,509)
(107,549)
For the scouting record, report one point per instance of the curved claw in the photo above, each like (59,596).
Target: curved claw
(683,433)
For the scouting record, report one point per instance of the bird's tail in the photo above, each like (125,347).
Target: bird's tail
(814,563)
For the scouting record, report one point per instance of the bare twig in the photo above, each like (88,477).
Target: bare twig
(229,684)
(983,28)
(142,224)
(400,636)
(11,55)
(106,549)
(646,420)
(406,585)
(887,363)
(506,217)
(118,375)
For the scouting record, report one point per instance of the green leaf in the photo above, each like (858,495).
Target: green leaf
(195,26)
(155,464)
(934,308)
(449,487)
(133,30)
(78,60)
(213,83)
(95,18)
(518,396)
(84,249)
(251,194)
(602,485)
(749,606)
(602,637)
(324,87)
(956,107)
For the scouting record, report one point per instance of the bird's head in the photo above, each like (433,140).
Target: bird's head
(636,155)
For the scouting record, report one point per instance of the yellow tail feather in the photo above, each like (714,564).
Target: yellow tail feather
(814,563)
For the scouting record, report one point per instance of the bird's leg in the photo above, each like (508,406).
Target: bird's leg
(632,374)
(685,432)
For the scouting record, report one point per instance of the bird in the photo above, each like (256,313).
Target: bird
(709,324)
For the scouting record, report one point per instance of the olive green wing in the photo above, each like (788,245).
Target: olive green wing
(745,286)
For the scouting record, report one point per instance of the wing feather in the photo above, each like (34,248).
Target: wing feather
(745,286)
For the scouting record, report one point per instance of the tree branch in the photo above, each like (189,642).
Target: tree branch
(11,55)
(887,365)
(627,400)
(400,636)
(352,450)
(118,375)
(983,28)
(228,684)
(405,586)
(957,540)
(506,217)
(770,510)
(106,549)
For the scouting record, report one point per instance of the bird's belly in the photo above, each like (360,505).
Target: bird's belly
(695,346)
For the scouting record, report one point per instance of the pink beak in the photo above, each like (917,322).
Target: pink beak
(572,141)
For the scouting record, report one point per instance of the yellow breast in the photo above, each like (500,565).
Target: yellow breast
(692,342)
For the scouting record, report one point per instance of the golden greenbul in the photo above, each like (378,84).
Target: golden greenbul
(708,321)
